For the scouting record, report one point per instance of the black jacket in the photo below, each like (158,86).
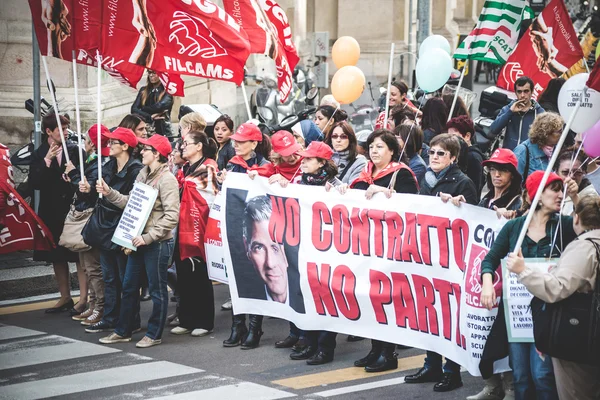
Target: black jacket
(453,183)
(475,169)
(405,182)
(83,201)
(155,106)
(225,154)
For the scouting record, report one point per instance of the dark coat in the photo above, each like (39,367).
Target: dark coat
(225,154)
(453,183)
(84,201)
(405,182)
(56,196)
(475,169)
(155,106)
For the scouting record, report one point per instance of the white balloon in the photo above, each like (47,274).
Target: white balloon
(434,42)
(589,112)
(433,70)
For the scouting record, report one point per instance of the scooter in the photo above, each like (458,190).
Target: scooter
(288,122)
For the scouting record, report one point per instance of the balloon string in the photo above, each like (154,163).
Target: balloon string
(330,119)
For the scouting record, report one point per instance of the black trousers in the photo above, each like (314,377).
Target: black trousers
(323,340)
(196,297)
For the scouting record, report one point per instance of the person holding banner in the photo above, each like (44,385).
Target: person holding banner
(533,373)
(47,174)
(285,159)
(383,174)
(119,173)
(154,245)
(346,157)
(196,298)
(575,272)
(154,104)
(251,149)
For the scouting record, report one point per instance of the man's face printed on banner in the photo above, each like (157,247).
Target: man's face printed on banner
(268,259)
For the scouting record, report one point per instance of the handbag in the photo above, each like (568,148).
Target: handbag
(101,226)
(71,237)
(570,329)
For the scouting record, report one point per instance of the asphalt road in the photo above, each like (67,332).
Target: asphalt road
(53,357)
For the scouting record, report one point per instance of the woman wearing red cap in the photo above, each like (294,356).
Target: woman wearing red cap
(154,245)
(252,149)
(533,374)
(383,174)
(119,173)
(89,272)
(285,158)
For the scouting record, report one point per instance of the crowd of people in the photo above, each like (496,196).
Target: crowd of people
(413,151)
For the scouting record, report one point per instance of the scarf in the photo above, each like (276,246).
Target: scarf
(366,175)
(253,164)
(288,171)
(341,159)
(432,179)
(318,179)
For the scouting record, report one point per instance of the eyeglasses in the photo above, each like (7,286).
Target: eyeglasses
(114,141)
(341,136)
(576,173)
(439,153)
(148,148)
(184,144)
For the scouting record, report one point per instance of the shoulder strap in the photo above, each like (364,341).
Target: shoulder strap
(597,246)
(393,180)
(526,170)
(345,171)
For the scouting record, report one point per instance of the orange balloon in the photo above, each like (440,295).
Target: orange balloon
(348,84)
(345,51)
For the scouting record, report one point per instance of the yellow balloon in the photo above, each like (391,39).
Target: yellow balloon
(348,84)
(345,51)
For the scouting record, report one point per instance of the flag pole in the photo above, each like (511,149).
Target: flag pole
(98,115)
(246,102)
(462,75)
(389,87)
(77,118)
(55,106)
(551,163)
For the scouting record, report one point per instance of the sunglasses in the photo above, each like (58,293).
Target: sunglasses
(342,136)
(439,153)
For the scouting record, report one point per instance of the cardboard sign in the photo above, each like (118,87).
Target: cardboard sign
(135,215)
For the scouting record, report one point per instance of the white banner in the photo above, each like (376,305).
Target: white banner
(213,242)
(135,215)
(403,270)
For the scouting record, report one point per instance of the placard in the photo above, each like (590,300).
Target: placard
(213,243)
(135,215)
(517,300)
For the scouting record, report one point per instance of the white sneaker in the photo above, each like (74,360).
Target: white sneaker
(114,338)
(147,342)
(179,330)
(227,305)
(200,332)
(489,393)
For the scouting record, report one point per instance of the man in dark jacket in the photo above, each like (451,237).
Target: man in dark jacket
(463,126)
(517,116)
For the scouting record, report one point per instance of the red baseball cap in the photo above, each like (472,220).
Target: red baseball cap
(317,149)
(159,142)
(533,182)
(284,143)
(124,135)
(93,135)
(247,131)
(502,156)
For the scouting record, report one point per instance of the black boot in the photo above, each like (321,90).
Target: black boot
(386,361)
(252,340)
(372,356)
(238,331)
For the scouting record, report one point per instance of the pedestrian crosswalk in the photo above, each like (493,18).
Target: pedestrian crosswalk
(36,365)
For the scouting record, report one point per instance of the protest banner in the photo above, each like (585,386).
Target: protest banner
(404,270)
(213,242)
(517,300)
(135,215)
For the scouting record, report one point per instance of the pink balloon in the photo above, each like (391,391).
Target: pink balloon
(591,141)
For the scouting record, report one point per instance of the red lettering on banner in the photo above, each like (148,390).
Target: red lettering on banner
(361,230)
(461,341)
(442,225)
(341,229)
(277,220)
(285,220)
(460,239)
(444,288)
(321,239)
(343,286)
(378,218)
(425,295)
(404,303)
(319,286)
(395,227)
(380,293)
(410,245)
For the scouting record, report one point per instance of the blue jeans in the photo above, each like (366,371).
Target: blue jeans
(154,258)
(532,375)
(296,332)
(434,360)
(113,263)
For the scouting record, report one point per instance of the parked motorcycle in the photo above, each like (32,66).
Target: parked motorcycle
(491,102)
(288,122)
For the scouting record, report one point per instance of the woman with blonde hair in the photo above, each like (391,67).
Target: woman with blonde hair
(193,121)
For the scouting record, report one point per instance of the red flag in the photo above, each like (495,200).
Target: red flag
(20,227)
(175,36)
(593,81)
(547,51)
(63,26)
(269,33)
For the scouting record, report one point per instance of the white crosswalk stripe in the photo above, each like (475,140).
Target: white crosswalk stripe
(35,365)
